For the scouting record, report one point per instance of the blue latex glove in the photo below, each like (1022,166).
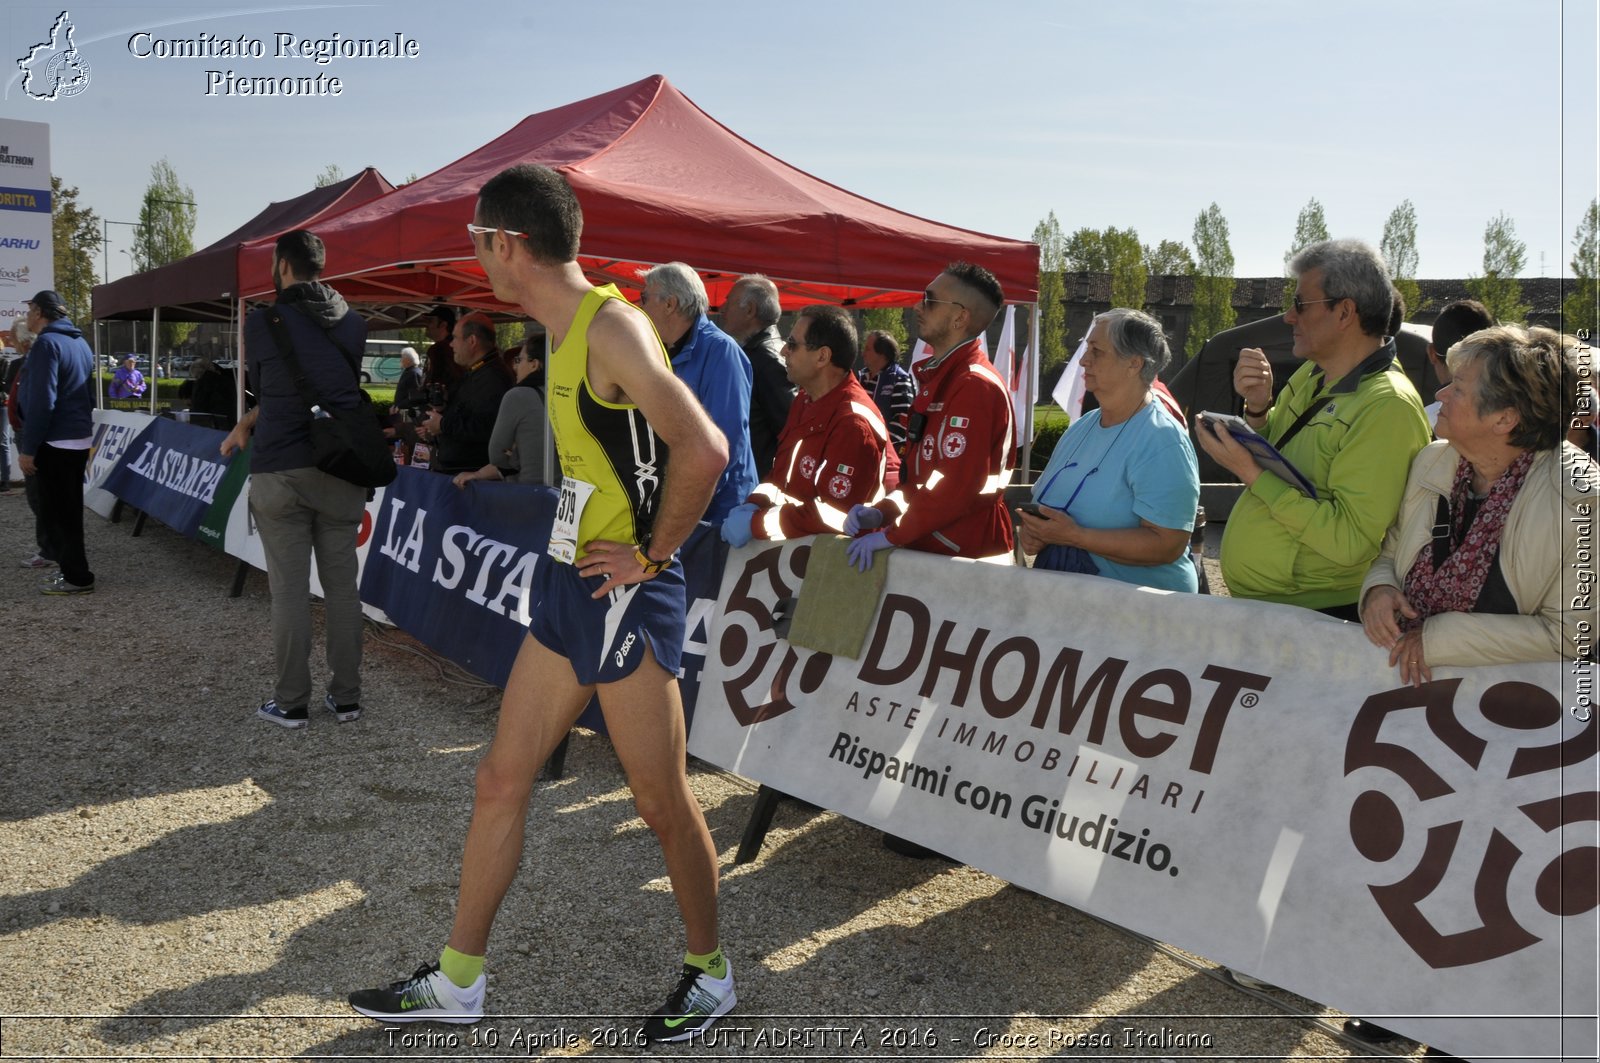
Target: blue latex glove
(861,519)
(736,525)
(860,550)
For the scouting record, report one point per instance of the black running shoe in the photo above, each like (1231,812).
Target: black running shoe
(427,996)
(698,1001)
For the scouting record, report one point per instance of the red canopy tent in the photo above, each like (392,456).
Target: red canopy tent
(659,180)
(204,286)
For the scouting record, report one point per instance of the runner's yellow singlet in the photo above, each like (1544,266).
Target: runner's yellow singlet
(609,446)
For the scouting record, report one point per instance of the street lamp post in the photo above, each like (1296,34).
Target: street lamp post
(105,242)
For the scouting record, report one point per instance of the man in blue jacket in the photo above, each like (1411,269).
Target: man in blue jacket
(707,360)
(56,403)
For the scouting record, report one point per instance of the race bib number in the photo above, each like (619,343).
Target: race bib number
(569,511)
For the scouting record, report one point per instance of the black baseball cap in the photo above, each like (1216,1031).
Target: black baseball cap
(444,312)
(49,304)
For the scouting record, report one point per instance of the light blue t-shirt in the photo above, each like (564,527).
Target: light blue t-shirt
(1141,469)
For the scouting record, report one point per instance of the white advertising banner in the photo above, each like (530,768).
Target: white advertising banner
(114,430)
(1247,781)
(27,257)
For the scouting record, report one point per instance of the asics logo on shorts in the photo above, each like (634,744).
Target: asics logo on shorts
(622,654)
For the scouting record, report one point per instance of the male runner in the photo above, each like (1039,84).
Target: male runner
(611,610)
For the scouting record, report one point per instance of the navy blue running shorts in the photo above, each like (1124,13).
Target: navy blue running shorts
(604,637)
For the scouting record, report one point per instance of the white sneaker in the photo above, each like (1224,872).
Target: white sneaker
(427,996)
(36,561)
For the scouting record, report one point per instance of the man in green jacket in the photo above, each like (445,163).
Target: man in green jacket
(1348,419)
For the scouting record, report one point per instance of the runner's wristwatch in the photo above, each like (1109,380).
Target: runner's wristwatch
(641,554)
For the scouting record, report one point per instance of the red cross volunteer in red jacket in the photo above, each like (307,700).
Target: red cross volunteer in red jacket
(834,449)
(959,439)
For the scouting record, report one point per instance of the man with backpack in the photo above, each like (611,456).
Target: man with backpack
(297,507)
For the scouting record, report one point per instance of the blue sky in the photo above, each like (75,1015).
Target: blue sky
(981,115)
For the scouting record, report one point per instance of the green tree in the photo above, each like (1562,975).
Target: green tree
(1213,279)
(1125,261)
(332,175)
(75,232)
(1169,258)
(1085,252)
(1052,294)
(1311,227)
(1399,250)
(165,234)
(890,319)
(1581,308)
(1504,256)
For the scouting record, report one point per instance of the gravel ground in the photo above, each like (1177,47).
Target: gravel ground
(181,880)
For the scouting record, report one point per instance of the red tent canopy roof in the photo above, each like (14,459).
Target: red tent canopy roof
(659,180)
(204,285)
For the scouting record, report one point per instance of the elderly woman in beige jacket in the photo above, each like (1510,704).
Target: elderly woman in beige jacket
(1492,560)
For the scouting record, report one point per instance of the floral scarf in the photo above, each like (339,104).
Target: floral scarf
(1454,585)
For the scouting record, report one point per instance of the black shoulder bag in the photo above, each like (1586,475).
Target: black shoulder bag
(348,444)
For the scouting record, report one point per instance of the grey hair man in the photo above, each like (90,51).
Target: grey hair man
(712,365)
(409,385)
(750,315)
(1348,419)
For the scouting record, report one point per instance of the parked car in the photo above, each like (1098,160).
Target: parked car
(380,363)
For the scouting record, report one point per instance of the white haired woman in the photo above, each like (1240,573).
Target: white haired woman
(1119,495)
(1475,569)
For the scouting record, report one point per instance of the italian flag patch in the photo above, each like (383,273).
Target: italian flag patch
(959,422)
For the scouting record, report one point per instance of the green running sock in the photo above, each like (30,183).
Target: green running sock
(460,968)
(713,962)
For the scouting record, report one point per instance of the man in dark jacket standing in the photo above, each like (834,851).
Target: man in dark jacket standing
(462,429)
(297,507)
(750,316)
(57,409)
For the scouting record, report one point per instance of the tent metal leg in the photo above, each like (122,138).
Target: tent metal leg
(239,575)
(556,766)
(755,830)
(138,524)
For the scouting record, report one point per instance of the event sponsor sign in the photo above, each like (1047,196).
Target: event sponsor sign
(114,431)
(27,257)
(1247,781)
(455,569)
(171,471)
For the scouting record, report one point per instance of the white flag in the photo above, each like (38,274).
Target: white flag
(1024,385)
(921,352)
(1069,390)
(1014,371)
(1005,351)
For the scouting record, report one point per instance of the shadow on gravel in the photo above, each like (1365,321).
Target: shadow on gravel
(129,688)
(397,843)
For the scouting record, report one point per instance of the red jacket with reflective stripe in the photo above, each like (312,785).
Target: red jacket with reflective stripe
(833,452)
(952,482)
